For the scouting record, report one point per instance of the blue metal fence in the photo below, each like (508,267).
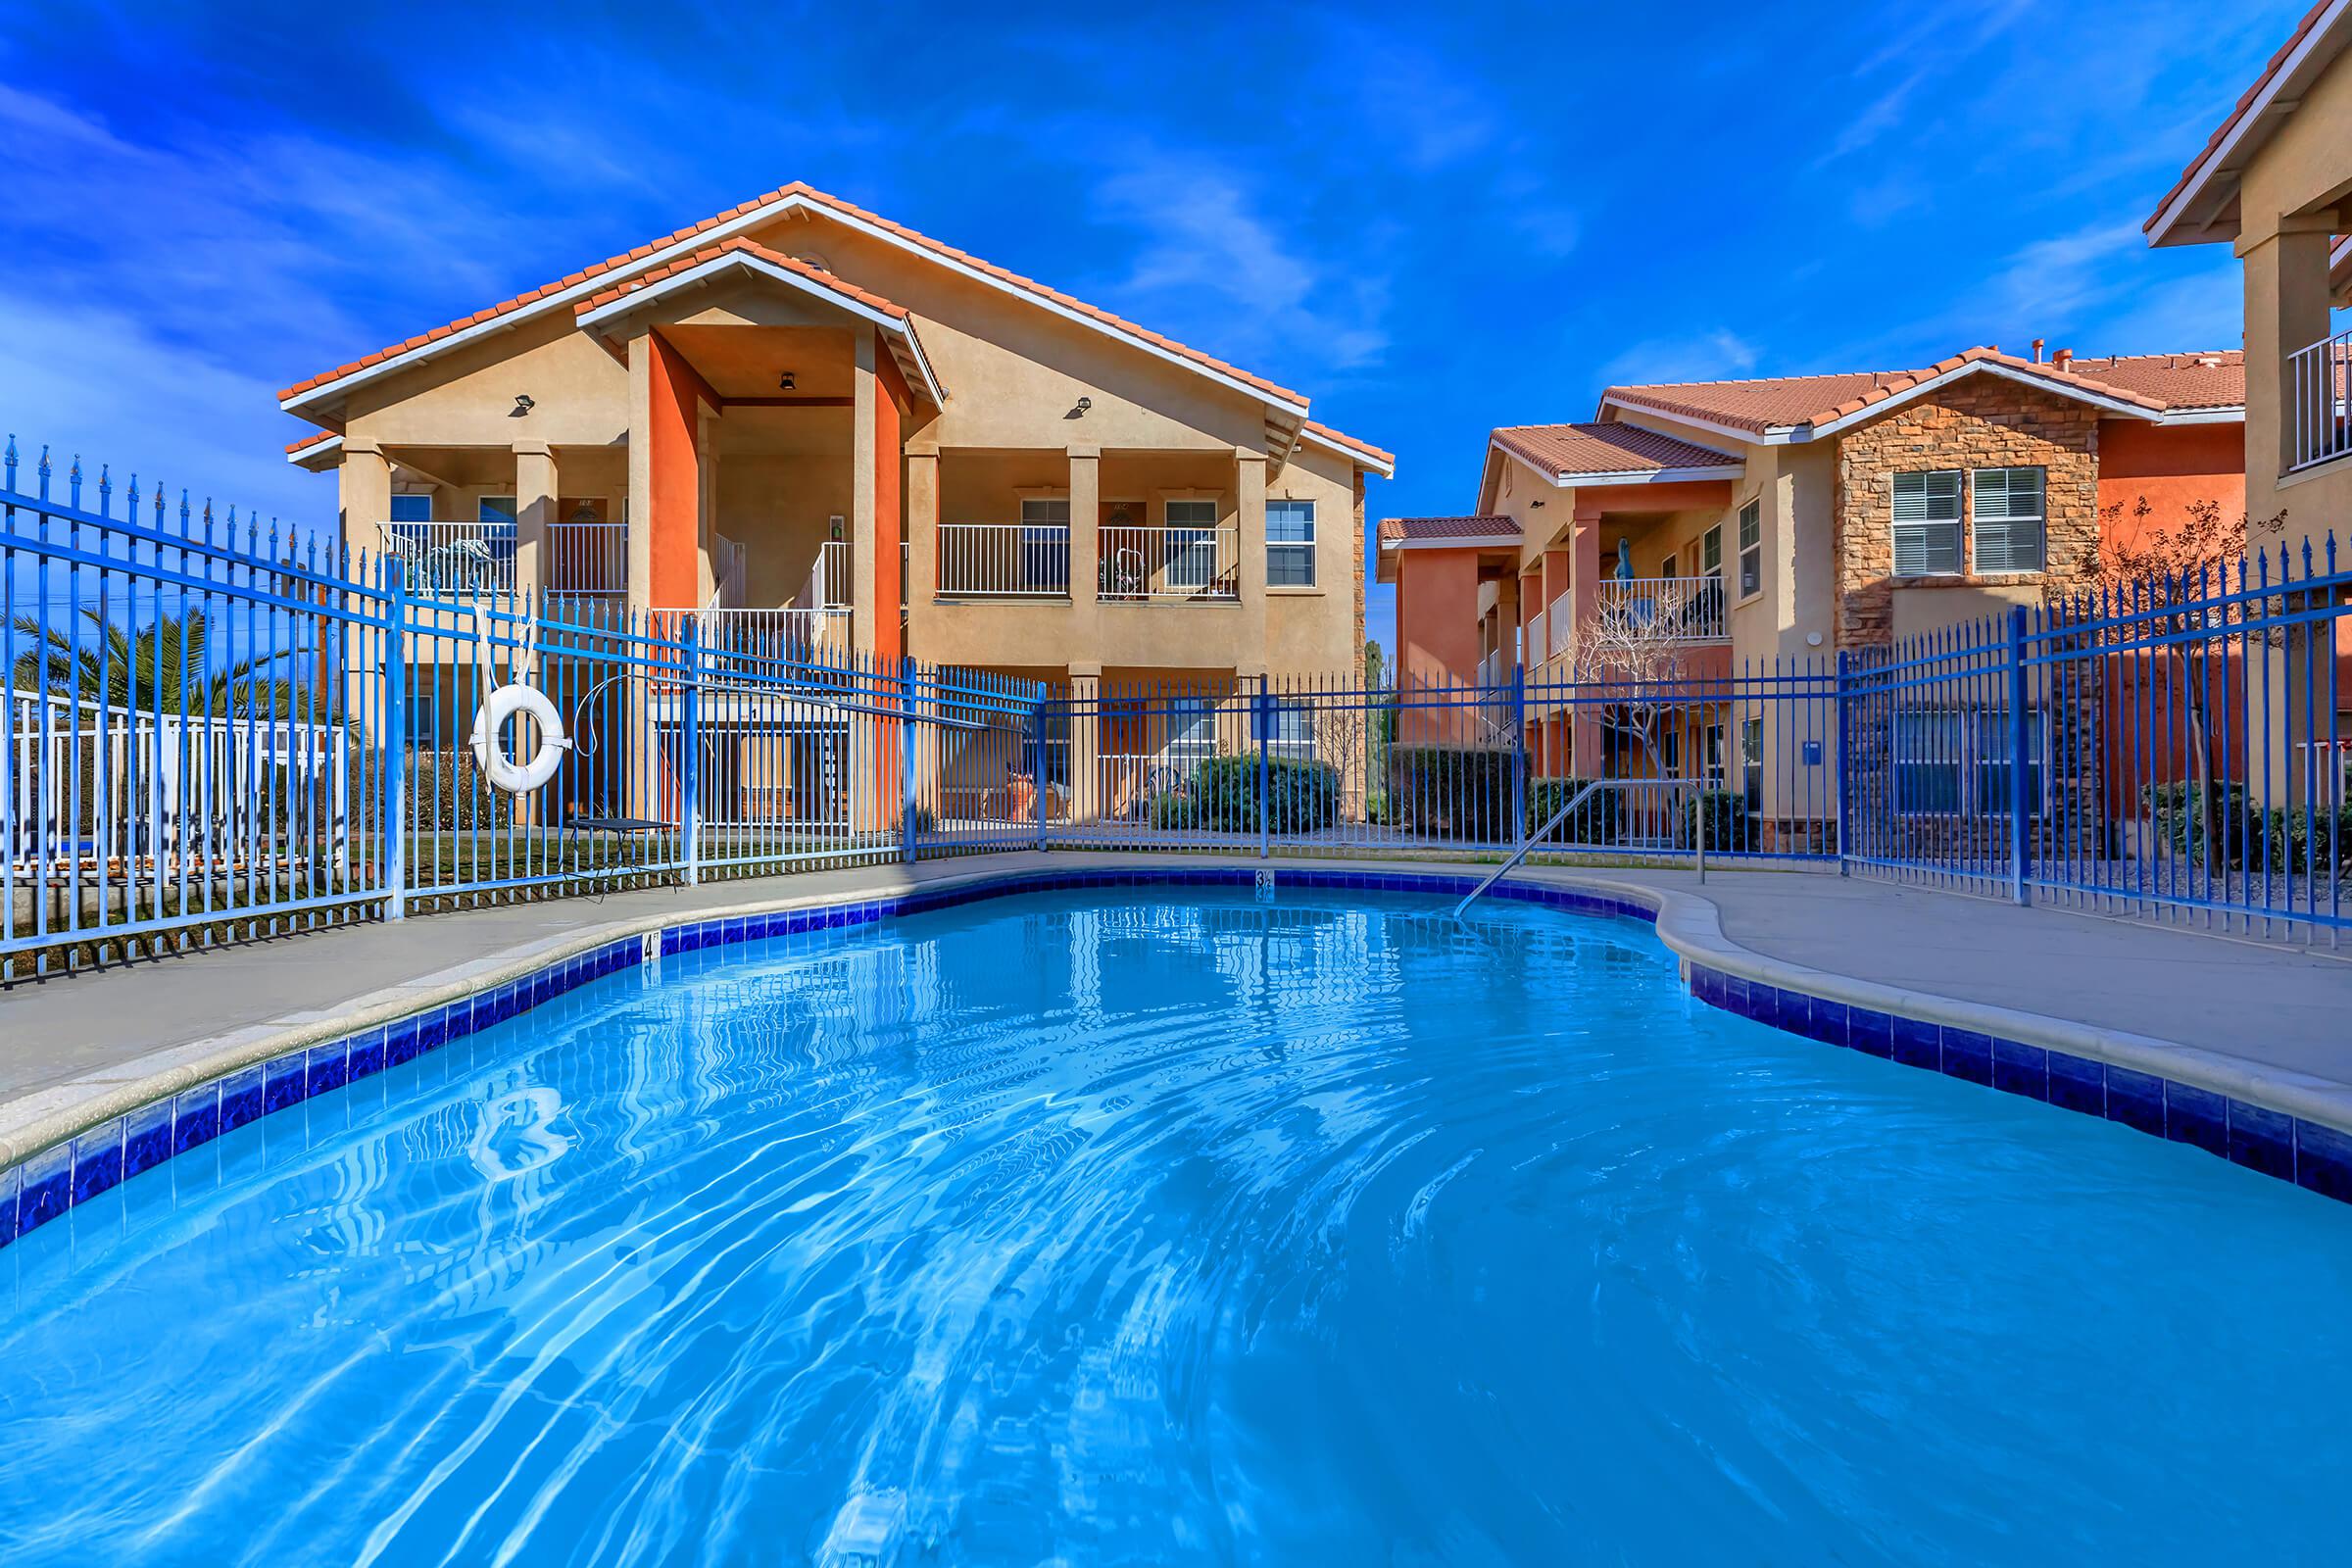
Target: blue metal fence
(216,730)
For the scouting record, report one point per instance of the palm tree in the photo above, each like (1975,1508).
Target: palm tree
(165,669)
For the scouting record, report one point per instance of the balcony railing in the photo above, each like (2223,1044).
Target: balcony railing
(1170,562)
(2319,378)
(1685,610)
(757,639)
(586,558)
(1005,559)
(453,560)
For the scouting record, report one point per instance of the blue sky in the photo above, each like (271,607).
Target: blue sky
(1432,223)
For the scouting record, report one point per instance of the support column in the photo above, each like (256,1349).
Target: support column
(1086,741)
(922,538)
(1250,651)
(534,515)
(2287,309)
(1584,600)
(1085,520)
(364,486)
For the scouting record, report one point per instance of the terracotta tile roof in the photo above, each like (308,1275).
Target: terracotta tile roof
(1343,439)
(1400,528)
(1606,449)
(740,246)
(819,199)
(2216,380)
(2157,382)
(311,440)
(2238,111)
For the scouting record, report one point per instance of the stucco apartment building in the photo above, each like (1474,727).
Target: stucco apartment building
(2274,182)
(823,432)
(1773,522)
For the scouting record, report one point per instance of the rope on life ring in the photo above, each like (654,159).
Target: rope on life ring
(502,703)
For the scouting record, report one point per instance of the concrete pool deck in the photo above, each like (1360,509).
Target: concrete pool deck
(2267,1024)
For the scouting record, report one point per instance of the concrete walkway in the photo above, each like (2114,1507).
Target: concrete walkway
(2261,1021)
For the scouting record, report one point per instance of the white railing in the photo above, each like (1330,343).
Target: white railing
(751,637)
(726,573)
(445,558)
(1170,562)
(1685,609)
(830,585)
(1559,627)
(1537,648)
(2320,377)
(586,558)
(1005,559)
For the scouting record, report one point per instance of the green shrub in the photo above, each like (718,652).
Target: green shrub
(1730,827)
(2243,834)
(1461,792)
(1302,795)
(448,794)
(1599,819)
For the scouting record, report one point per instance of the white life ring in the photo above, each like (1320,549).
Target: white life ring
(490,722)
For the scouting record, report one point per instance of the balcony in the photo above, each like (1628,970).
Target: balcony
(1685,610)
(750,640)
(459,560)
(453,560)
(1169,564)
(2319,422)
(1003,560)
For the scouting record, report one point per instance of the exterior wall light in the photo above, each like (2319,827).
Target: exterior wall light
(523,405)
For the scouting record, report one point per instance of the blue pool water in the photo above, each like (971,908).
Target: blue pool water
(1103,1229)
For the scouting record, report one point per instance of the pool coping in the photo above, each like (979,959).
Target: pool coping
(64,1144)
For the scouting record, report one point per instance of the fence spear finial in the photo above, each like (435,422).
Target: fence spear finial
(74,483)
(106,490)
(12,460)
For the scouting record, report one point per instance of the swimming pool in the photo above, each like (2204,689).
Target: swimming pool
(1164,1224)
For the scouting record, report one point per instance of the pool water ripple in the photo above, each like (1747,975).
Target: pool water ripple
(1107,1229)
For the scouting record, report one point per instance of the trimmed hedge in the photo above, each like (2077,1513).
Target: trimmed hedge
(1729,825)
(1303,795)
(448,794)
(2241,833)
(1600,819)
(1458,791)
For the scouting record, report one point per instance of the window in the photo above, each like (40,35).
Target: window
(1045,564)
(1192,544)
(1953,761)
(1751,761)
(1712,759)
(1927,523)
(1710,549)
(1192,732)
(1286,730)
(1291,544)
(495,512)
(1046,756)
(2006,515)
(1751,548)
(412,509)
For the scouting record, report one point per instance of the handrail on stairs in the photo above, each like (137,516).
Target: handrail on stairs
(1533,839)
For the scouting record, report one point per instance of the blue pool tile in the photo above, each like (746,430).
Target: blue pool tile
(1869,1030)
(1968,1054)
(46,1189)
(97,1161)
(2021,1070)
(401,1043)
(326,1065)
(146,1138)
(2323,1159)
(1827,1021)
(1917,1044)
(11,1181)
(284,1085)
(2196,1117)
(195,1117)
(2135,1098)
(365,1056)
(456,1019)
(243,1096)
(2261,1140)
(431,1033)
(2078,1083)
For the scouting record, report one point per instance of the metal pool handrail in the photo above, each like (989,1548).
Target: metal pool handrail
(1533,839)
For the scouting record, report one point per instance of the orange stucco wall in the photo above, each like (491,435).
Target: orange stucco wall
(889,507)
(673,498)
(2173,466)
(1437,635)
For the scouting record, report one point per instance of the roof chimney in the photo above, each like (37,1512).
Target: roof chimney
(2037,351)
(2061,359)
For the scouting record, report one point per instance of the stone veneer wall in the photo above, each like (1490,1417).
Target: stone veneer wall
(1984,422)
(1358,556)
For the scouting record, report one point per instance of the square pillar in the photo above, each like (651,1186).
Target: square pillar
(1086,743)
(922,536)
(1250,651)
(1583,603)
(534,515)
(364,492)
(1086,519)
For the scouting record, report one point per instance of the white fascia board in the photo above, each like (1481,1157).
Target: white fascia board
(1777,435)
(1713,471)
(315,449)
(2230,414)
(2219,160)
(1362,458)
(2081,394)
(1473,541)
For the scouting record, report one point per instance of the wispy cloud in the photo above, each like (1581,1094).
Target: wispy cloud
(1716,355)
